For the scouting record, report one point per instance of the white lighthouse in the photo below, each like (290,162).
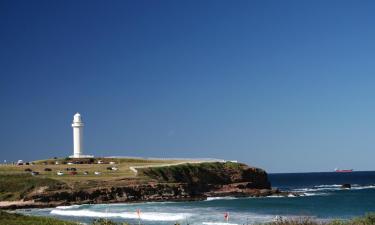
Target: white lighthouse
(77,136)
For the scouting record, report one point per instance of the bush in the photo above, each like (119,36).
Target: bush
(106,222)
(368,219)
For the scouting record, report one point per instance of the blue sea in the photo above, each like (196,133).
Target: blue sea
(321,198)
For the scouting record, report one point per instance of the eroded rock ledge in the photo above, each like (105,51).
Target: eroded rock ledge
(185,182)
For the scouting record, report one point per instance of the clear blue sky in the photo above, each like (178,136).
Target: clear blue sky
(284,85)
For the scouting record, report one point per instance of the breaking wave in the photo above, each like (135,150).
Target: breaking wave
(68,207)
(148,216)
(333,187)
(220,198)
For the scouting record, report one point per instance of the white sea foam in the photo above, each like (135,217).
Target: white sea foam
(276,196)
(301,194)
(148,216)
(220,198)
(313,194)
(328,186)
(333,187)
(363,187)
(68,207)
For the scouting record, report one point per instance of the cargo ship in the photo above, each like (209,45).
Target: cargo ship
(343,171)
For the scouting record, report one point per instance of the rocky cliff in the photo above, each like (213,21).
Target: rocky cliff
(180,182)
(212,178)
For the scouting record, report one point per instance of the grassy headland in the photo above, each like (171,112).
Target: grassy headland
(17,183)
(89,165)
(48,183)
(18,219)
(16,186)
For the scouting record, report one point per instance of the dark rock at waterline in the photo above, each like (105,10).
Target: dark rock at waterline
(346,186)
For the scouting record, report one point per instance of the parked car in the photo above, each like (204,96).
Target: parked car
(112,163)
(100,162)
(97,173)
(73,173)
(34,173)
(28,170)
(109,168)
(59,173)
(70,163)
(114,168)
(47,169)
(85,173)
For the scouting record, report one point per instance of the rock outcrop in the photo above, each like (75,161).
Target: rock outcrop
(212,178)
(181,182)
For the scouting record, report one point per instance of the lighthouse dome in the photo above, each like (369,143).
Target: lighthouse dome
(77,117)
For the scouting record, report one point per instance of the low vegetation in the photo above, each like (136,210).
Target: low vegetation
(16,181)
(18,219)
(107,222)
(85,168)
(7,218)
(16,186)
(208,172)
(368,219)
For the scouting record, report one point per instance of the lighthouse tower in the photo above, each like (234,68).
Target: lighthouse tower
(77,136)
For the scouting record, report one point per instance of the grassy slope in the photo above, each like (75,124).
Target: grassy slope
(122,164)
(17,219)
(15,186)
(15,182)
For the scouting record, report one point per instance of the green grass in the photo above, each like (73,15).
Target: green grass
(15,183)
(122,164)
(17,219)
(15,187)
(7,218)
(368,219)
(210,172)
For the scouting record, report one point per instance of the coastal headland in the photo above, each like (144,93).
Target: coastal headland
(58,182)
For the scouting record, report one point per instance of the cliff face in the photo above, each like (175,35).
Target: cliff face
(180,182)
(210,177)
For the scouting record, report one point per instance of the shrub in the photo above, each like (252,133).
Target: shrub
(106,222)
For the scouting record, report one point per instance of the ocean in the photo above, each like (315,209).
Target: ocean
(321,198)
